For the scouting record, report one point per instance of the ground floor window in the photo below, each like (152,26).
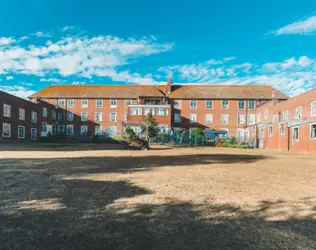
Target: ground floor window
(33,133)
(226,130)
(295,134)
(177,117)
(113,130)
(193,118)
(313,131)
(98,130)
(44,127)
(70,130)
(270,132)
(281,128)
(61,128)
(84,130)
(21,132)
(163,128)
(261,133)
(54,129)
(6,130)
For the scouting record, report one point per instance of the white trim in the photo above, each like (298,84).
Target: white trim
(7,106)
(211,120)
(238,119)
(193,121)
(298,133)
(3,129)
(115,116)
(281,123)
(72,116)
(126,105)
(206,103)
(222,118)
(101,118)
(255,106)
(73,103)
(35,120)
(34,138)
(82,116)
(179,101)
(20,109)
(23,132)
(227,104)
(174,118)
(266,117)
(149,105)
(96,103)
(113,106)
(191,100)
(238,104)
(312,108)
(310,131)
(287,115)
(84,105)
(270,135)
(59,100)
(301,112)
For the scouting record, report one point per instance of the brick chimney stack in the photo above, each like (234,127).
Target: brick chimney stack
(168,87)
(274,98)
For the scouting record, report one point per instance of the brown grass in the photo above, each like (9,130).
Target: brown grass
(99,197)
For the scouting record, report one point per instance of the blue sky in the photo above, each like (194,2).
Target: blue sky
(45,42)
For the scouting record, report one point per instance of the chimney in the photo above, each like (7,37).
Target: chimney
(168,87)
(274,98)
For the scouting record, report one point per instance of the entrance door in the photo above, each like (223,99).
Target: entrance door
(261,143)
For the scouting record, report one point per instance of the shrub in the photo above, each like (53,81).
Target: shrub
(134,141)
(196,131)
(220,144)
(183,134)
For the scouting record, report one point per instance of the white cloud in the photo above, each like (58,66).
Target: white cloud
(42,34)
(19,91)
(302,27)
(6,40)
(9,77)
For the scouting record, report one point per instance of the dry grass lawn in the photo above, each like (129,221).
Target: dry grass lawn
(101,197)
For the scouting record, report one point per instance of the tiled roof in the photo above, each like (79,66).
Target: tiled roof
(225,92)
(99,91)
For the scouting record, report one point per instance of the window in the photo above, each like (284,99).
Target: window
(70,116)
(54,129)
(177,117)
(98,103)
(177,104)
(266,114)
(252,104)
(128,102)
(61,102)
(295,134)
(6,110)
(163,128)
(208,118)
(83,129)
(193,118)
(125,116)
(259,117)
(70,103)
(113,117)
(34,117)
(45,112)
(313,109)
(136,111)
(281,128)
(44,127)
(285,116)
(224,119)
(98,130)
(70,130)
(21,132)
(241,134)
(226,130)
(113,103)
(149,110)
(224,104)
(33,133)
(241,104)
(209,104)
(313,131)
(22,114)
(298,113)
(98,116)
(61,116)
(61,128)
(113,130)
(84,103)
(54,115)
(241,119)
(84,116)
(162,111)
(270,131)
(275,118)
(261,133)
(254,130)
(193,104)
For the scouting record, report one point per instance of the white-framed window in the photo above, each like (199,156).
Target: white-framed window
(275,118)
(84,116)
(69,130)
(298,113)
(84,129)
(296,132)
(313,131)
(193,118)
(177,104)
(148,110)
(163,128)
(261,135)
(270,131)
(251,104)
(33,134)
(61,128)
(208,118)
(98,116)
(45,112)
(61,116)
(98,130)
(209,104)
(6,110)
(241,119)
(113,103)
(113,116)
(266,114)
(128,102)
(136,111)
(254,131)
(54,114)
(21,114)
(70,103)
(225,119)
(162,111)
(138,101)
(125,116)
(177,118)
(313,108)
(193,104)
(259,117)
(226,130)
(84,103)
(281,128)
(21,132)
(285,116)
(98,103)
(34,117)
(225,104)
(44,127)
(240,133)
(61,102)
(113,130)
(70,116)
(241,104)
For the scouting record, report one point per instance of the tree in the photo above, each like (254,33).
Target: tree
(152,126)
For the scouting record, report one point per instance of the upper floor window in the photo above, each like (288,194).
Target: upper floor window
(44,127)
(252,104)
(259,117)
(34,116)
(98,117)
(98,103)
(224,119)
(70,116)
(193,104)
(313,108)
(98,130)
(177,118)
(125,116)
(113,117)
(162,111)
(285,116)
(6,110)
(54,115)
(45,112)
(61,102)
(241,104)
(295,134)
(113,103)
(281,128)
(136,111)
(84,103)
(177,104)
(209,104)
(70,103)
(270,131)
(22,114)
(313,131)
(225,104)
(275,118)
(208,118)
(252,119)
(128,102)
(84,116)
(241,119)
(193,118)
(61,116)
(298,113)
(148,111)
(266,114)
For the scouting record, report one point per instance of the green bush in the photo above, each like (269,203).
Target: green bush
(196,131)
(183,134)
(134,141)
